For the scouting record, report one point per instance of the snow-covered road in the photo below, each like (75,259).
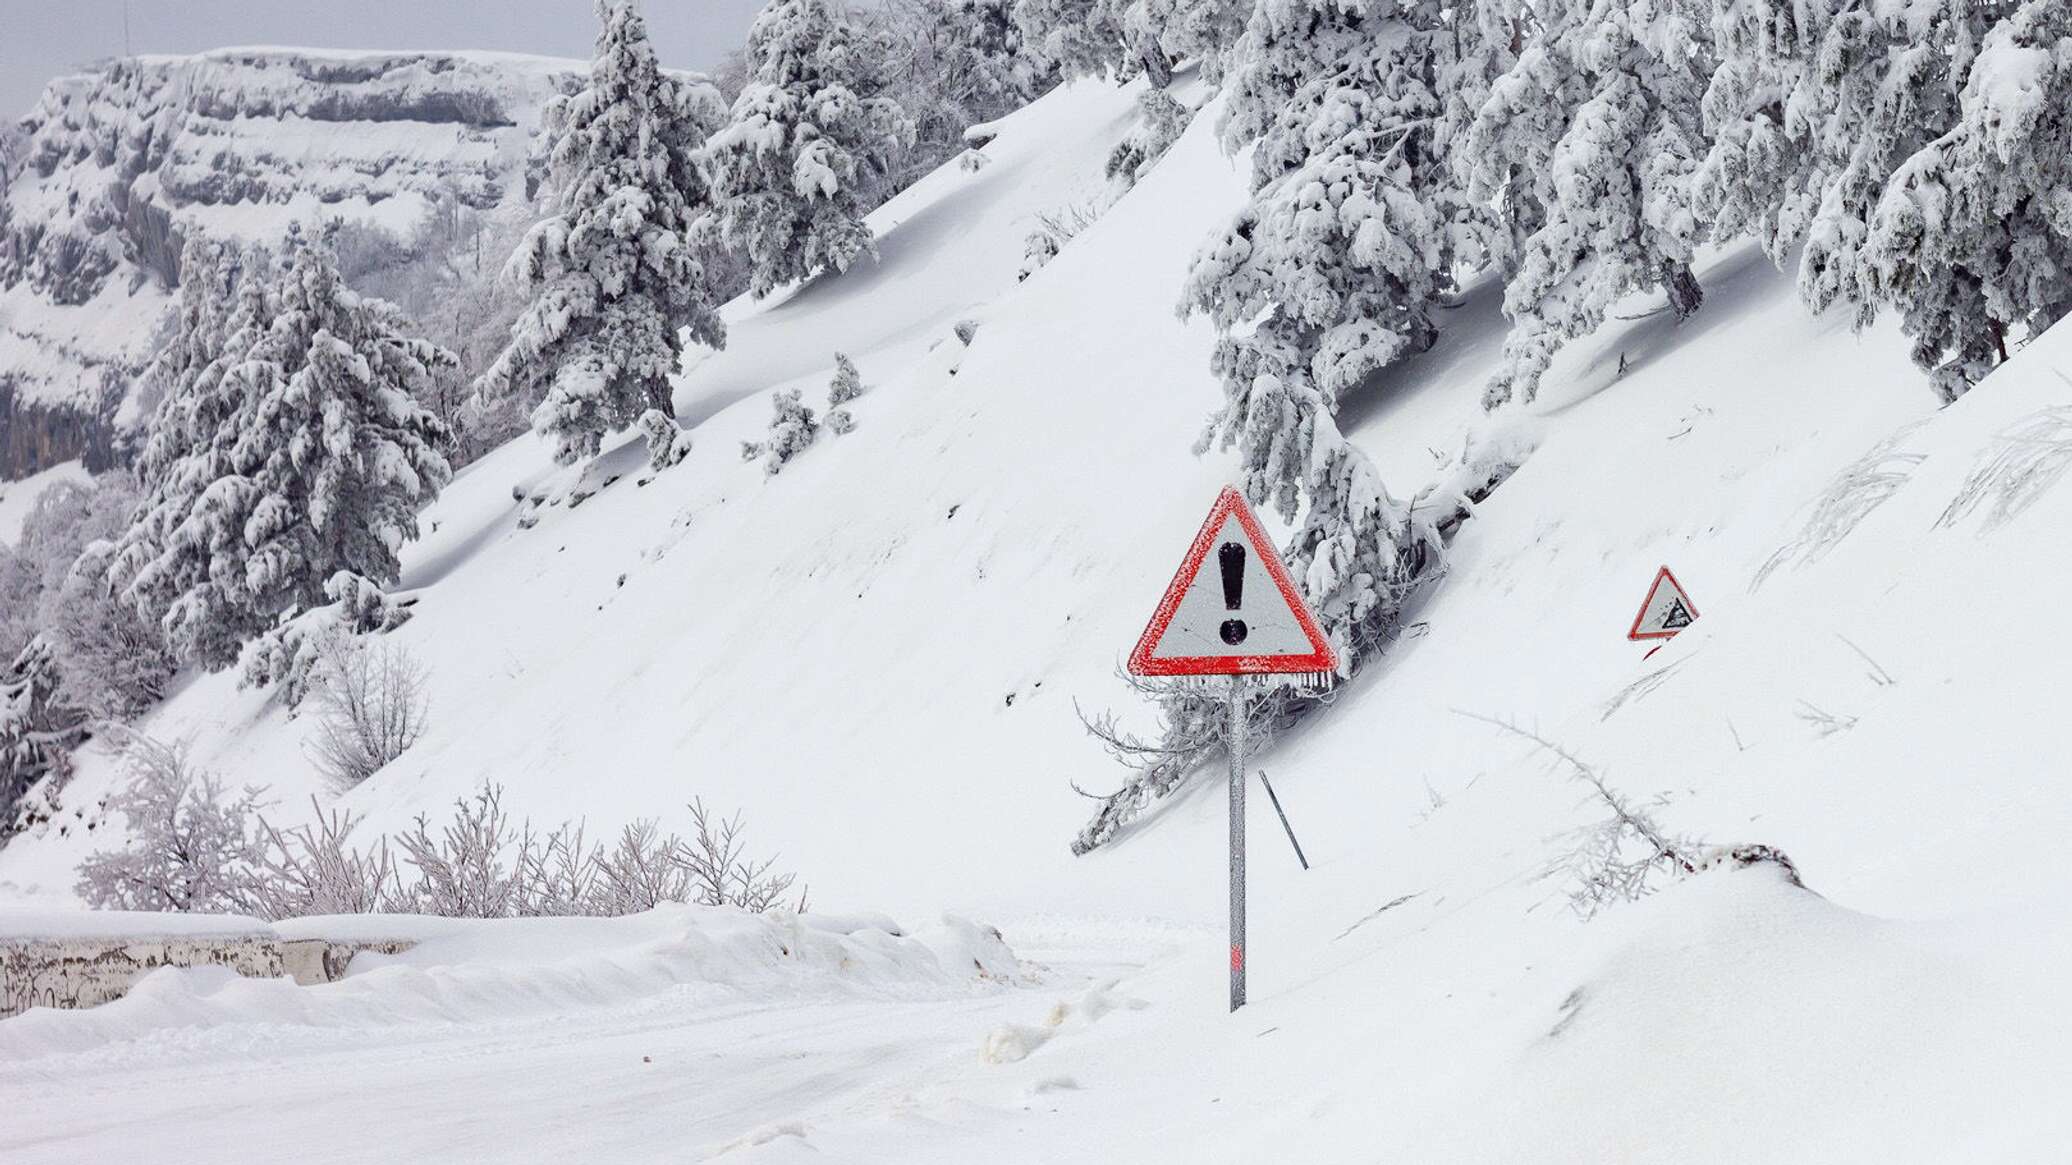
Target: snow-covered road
(671,1076)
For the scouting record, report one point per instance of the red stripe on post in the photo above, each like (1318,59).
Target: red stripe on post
(1237,958)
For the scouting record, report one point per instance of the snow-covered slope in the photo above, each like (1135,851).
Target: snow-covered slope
(876,655)
(116,166)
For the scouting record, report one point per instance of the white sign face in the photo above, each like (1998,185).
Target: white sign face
(1667,610)
(1231,609)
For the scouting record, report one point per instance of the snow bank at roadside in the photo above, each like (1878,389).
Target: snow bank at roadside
(1739,993)
(471,970)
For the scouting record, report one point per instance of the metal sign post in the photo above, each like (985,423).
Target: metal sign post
(1237,616)
(1237,842)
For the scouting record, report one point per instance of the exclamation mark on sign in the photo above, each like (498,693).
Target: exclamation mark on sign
(1230,559)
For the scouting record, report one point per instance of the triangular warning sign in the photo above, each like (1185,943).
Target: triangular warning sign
(1231,609)
(1668,609)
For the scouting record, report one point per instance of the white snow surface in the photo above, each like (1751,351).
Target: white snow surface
(832,651)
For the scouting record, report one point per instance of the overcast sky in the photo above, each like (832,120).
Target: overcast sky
(40,39)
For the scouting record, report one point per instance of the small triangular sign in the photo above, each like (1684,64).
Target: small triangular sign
(1232,609)
(1667,610)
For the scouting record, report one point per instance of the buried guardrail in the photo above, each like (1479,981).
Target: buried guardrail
(82,959)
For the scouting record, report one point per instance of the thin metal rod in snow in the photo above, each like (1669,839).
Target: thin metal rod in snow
(1282,814)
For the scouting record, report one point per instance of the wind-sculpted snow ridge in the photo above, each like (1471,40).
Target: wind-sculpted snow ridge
(468,971)
(418,153)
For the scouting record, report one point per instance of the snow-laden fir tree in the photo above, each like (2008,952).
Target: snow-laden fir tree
(1876,135)
(950,65)
(1161,33)
(1972,240)
(340,455)
(1885,83)
(179,562)
(208,289)
(1078,38)
(792,430)
(1770,154)
(804,149)
(37,729)
(845,386)
(1614,201)
(613,271)
(321,468)
(1332,271)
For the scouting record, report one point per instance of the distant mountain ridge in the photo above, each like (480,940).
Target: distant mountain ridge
(115,167)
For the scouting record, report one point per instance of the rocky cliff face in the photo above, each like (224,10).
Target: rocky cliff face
(418,156)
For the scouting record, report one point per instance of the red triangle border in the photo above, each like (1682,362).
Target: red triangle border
(1635,633)
(1319,660)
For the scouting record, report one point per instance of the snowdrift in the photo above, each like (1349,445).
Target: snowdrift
(464,971)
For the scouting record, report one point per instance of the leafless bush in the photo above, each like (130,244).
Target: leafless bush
(1625,853)
(1194,728)
(371,707)
(1863,486)
(190,847)
(640,873)
(311,870)
(558,875)
(463,872)
(2031,456)
(721,873)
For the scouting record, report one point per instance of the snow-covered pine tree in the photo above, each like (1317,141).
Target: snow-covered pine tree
(1161,33)
(208,289)
(1614,200)
(179,561)
(985,65)
(846,385)
(1334,270)
(1972,240)
(950,65)
(318,463)
(37,729)
(1768,160)
(1078,38)
(792,429)
(793,169)
(613,271)
(339,453)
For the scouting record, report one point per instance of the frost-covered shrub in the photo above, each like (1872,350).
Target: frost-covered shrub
(110,662)
(371,707)
(792,429)
(667,443)
(640,873)
(311,870)
(191,845)
(1038,249)
(846,386)
(719,869)
(1162,121)
(290,655)
(473,868)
